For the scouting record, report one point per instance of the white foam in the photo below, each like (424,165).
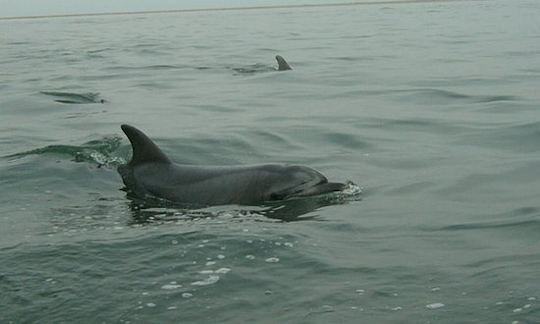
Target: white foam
(397,308)
(171,286)
(250,257)
(352,189)
(221,256)
(288,244)
(435,305)
(222,270)
(209,263)
(171,307)
(187,295)
(272,260)
(527,306)
(208,281)
(517,310)
(531,298)
(151,305)
(206,271)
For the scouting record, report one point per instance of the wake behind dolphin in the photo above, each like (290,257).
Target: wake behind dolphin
(150,173)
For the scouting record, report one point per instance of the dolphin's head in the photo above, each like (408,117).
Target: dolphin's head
(299,181)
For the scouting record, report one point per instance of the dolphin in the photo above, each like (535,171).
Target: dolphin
(150,173)
(282,64)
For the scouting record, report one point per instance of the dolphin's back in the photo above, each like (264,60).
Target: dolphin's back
(206,185)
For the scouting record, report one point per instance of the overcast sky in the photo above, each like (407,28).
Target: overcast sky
(17,8)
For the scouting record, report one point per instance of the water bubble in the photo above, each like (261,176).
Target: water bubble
(208,281)
(171,286)
(435,305)
(222,270)
(206,271)
(221,256)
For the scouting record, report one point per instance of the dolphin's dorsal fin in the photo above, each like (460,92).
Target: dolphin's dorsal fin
(282,64)
(144,150)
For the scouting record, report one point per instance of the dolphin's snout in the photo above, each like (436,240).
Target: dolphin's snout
(313,183)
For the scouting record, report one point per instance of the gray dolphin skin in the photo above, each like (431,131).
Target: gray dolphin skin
(150,173)
(282,64)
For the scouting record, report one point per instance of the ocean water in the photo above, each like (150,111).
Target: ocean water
(431,108)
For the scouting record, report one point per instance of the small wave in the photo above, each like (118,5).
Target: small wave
(149,67)
(97,151)
(75,98)
(491,225)
(254,68)
(441,96)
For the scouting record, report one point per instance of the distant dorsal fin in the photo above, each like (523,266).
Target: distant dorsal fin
(282,64)
(144,150)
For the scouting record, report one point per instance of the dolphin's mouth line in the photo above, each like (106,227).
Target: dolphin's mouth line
(304,190)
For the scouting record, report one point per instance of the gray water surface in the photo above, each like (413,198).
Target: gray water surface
(431,108)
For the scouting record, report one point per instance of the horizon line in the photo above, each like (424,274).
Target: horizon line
(285,6)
